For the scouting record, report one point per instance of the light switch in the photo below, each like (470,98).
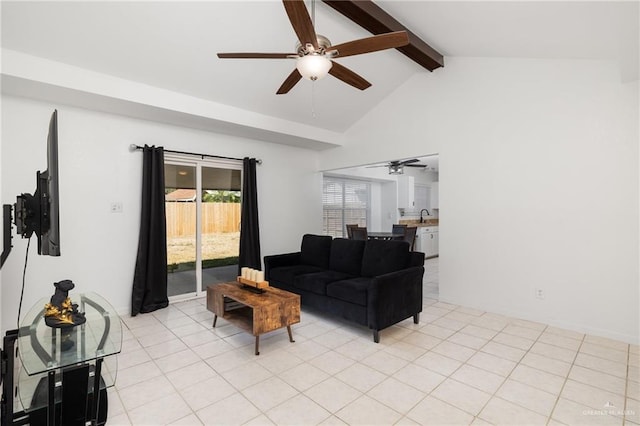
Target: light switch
(116,207)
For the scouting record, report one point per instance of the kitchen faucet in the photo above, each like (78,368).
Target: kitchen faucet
(423,210)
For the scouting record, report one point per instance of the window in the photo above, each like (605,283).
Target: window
(344,201)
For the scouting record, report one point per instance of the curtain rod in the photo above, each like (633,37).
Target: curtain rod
(134,147)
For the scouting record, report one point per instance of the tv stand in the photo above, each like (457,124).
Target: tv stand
(64,373)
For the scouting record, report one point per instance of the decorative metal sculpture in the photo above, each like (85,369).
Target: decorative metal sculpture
(61,312)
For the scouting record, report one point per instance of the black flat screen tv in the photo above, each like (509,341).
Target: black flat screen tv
(49,237)
(39,213)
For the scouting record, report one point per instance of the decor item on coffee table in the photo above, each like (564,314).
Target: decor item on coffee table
(255,313)
(60,312)
(253,280)
(375,283)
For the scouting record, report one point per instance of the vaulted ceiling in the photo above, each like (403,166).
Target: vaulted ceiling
(173,45)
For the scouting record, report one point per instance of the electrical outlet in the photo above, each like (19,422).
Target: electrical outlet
(116,207)
(539,293)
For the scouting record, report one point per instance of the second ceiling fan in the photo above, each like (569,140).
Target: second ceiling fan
(396,167)
(315,53)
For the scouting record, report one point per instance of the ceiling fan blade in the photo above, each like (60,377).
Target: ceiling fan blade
(291,81)
(371,44)
(345,74)
(301,22)
(405,162)
(256,55)
(416,165)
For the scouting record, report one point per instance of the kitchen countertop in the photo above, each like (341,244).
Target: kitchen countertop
(416,222)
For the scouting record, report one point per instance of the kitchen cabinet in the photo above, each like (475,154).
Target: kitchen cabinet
(422,197)
(435,195)
(406,192)
(427,240)
(435,243)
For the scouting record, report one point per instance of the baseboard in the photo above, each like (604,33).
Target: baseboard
(580,328)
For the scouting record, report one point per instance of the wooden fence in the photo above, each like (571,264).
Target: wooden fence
(216,218)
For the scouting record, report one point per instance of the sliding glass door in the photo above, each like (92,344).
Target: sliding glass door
(203,224)
(182,230)
(220,224)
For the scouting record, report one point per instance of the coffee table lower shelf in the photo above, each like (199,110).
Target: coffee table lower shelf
(254,313)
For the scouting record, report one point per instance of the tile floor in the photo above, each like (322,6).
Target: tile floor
(458,366)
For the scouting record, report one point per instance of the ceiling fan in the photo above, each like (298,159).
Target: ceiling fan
(396,167)
(314,53)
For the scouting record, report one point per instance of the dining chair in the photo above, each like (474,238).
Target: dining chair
(359,233)
(398,229)
(410,236)
(349,230)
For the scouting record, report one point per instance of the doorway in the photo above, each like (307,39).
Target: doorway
(418,178)
(202,200)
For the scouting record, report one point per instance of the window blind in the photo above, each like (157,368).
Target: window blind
(344,201)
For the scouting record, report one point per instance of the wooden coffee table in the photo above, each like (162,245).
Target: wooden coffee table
(255,313)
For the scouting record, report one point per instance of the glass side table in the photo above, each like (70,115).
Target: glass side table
(61,367)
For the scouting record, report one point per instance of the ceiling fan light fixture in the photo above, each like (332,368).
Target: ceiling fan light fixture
(396,169)
(313,67)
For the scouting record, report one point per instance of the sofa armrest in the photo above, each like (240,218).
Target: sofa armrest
(278,260)
(394,297)
(416,259)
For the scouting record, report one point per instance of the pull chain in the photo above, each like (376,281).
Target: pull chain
(313,99)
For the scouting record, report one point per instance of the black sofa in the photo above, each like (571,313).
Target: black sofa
(374,283)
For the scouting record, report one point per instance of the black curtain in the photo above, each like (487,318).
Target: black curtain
(150,279)
(249,229)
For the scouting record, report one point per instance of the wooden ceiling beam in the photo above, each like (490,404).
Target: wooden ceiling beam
(375,20)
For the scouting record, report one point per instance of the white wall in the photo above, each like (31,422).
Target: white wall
(538,184)
(96,168)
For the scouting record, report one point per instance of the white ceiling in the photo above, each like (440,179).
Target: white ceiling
(173,45)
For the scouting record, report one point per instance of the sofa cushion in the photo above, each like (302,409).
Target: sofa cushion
(288,274)
(353,290)
(316,282)
(315,250)
(381,257)
(346,256)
